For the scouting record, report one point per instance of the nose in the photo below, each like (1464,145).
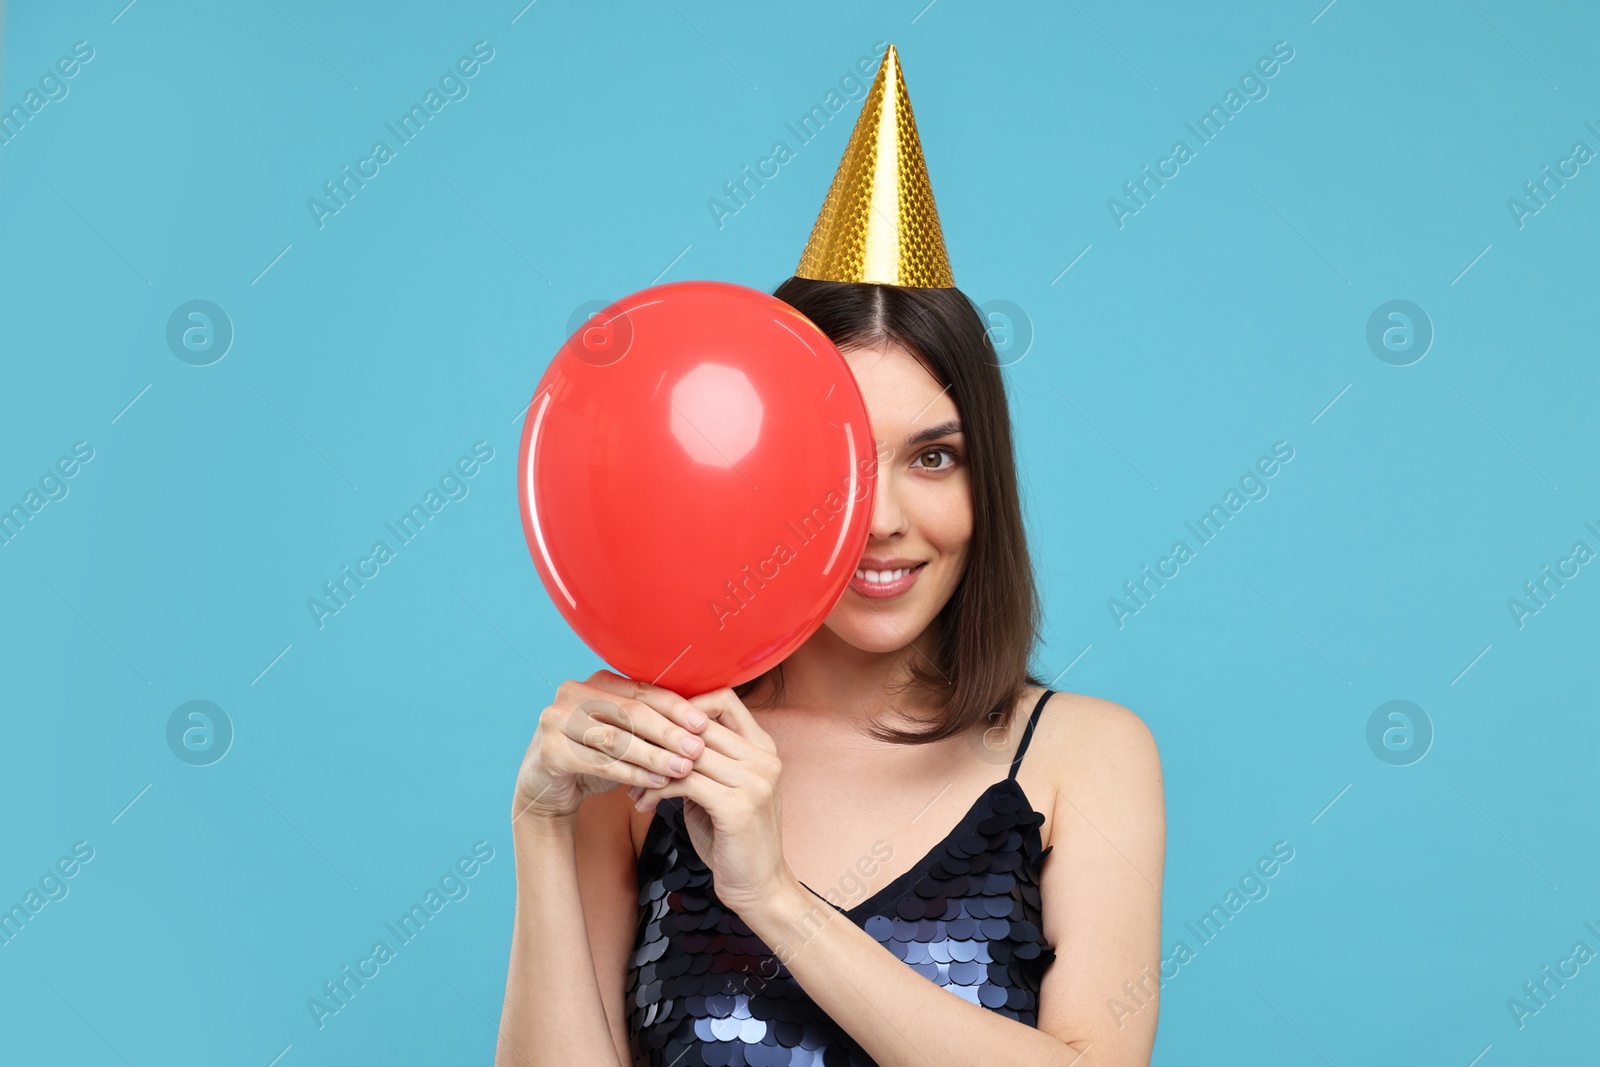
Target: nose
(888,517)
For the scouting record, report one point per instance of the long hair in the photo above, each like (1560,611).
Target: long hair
(990,624)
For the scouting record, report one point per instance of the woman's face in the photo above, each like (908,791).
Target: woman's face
(922,510)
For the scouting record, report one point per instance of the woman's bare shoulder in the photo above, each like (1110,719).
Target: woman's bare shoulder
(1104,769)
(1088,740)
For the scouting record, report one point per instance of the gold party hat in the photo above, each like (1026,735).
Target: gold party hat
(878,223)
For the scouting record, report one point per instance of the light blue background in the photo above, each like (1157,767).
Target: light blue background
(1228,314)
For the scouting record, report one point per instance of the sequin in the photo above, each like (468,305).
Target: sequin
(702,989)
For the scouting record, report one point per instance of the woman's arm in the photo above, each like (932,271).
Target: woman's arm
(1101,883)
(577,896)
(560,1007)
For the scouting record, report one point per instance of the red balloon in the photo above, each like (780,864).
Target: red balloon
(696,480)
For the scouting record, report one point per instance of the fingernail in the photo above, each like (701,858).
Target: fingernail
(635,791)
(679,764)
(696,718)
(691,745)
(656,780)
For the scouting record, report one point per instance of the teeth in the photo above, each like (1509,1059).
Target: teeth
(882,577)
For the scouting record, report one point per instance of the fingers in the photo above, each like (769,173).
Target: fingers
(700,714)
(738,751)
(620,726)
(738,768)
(724,706)
(664,700)
(701,789)
(721,739)
(624,740)
(757,770)
(608,735)
(636,701)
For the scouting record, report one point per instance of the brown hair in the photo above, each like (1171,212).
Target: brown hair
(991,622)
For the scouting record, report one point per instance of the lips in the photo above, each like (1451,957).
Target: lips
(880,585)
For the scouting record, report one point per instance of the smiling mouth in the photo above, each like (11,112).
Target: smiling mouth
(880,584)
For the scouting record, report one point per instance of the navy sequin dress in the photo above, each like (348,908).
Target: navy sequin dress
(703,989)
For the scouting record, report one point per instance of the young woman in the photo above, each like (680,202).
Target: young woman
(896,847)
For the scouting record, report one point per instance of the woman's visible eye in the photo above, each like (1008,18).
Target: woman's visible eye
(939,451)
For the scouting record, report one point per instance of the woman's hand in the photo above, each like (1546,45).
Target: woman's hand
(732,803)
(600,733)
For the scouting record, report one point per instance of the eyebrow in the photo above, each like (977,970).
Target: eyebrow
(933,433)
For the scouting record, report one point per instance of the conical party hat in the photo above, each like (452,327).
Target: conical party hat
(878,223)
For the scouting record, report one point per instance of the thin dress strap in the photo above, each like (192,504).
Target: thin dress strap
(1027,734)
